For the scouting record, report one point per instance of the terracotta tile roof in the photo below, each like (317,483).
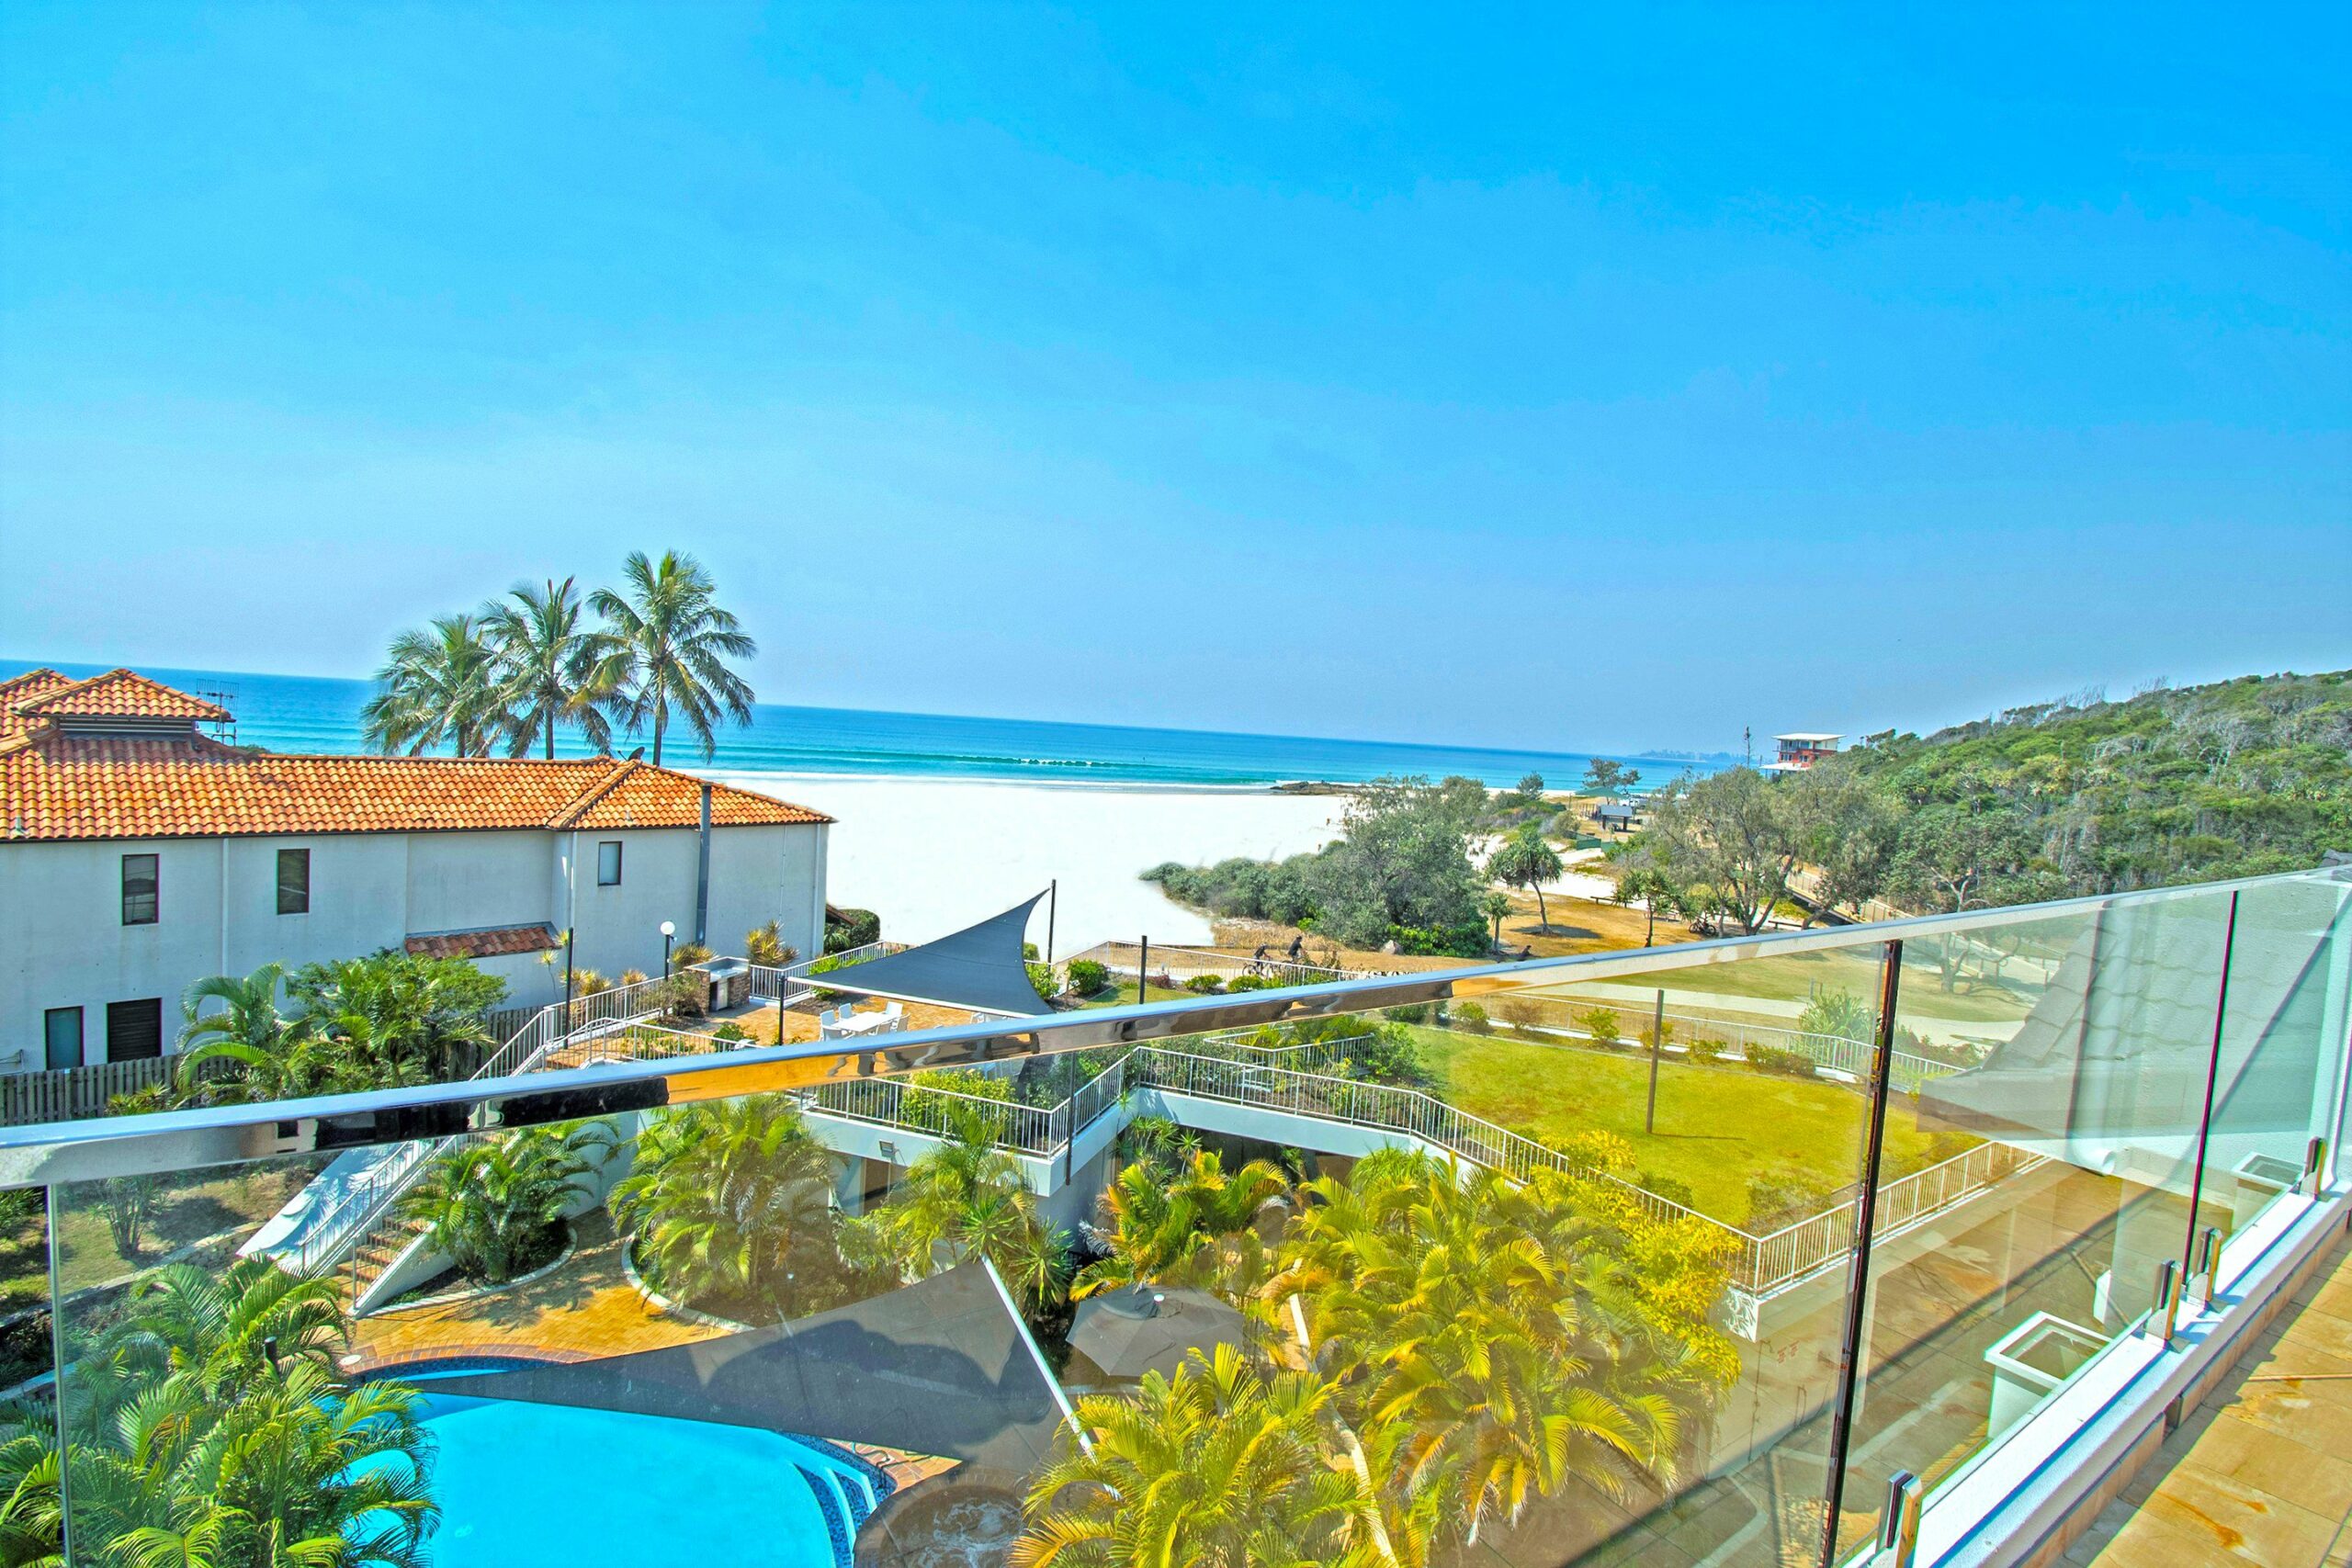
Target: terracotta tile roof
(57,787)
(24,688)
(118,693)
(491,942)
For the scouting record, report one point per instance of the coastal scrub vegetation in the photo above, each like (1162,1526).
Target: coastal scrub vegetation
(1400,871)
(2072,798)
(511,673)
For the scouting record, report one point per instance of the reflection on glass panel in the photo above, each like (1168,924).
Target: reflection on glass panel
(2278,1076)
(1735,1088)
(1996,1276)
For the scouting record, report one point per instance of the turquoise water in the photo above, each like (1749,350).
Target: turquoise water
(290,713)
(546,1486)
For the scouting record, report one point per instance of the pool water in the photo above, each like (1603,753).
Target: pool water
(521,1486)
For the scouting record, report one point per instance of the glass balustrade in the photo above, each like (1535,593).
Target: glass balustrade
(1674,1257)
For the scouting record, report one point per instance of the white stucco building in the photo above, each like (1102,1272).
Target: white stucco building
(139,854)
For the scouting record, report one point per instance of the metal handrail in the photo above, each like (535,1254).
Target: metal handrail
(86,1150)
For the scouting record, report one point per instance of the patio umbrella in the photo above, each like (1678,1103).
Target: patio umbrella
(1148,1328)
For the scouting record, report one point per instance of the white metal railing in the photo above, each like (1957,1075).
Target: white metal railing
(355,1211)
(1804,1248)
(917,1107)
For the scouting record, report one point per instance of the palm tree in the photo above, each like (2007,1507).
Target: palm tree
(968,1197)
(490,1206)
(553,669)
(439,684)
(733,1197)
(1160,1227)
(1221,1466)
(668,646)
(209,1429)
(273,1050)
(1490,1338)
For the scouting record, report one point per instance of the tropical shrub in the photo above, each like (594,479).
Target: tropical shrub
(1224,1465)
(682,996)
(927,1103)
(1840,1014)
(495,1206)
(1165,1228)
(731,1032)
(1087,976)
(1778,1062)
(1413,1012)
(765,946)
(1467,1017)
(1386,1053)
(689,956)
(964,1198)
(1599,1026)
(1241,983)
(731,1205)
(1205,985)
(1707,1051)
(126,1202)
(1557,1333)
(212,1426)
(845,928)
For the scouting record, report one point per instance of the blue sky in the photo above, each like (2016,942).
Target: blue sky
(1511,377)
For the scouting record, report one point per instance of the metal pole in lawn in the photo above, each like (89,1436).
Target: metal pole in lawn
(1143,967)
(1053,907)
(1658,1045)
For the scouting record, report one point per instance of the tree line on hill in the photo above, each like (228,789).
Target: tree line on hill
(514,672)
(2058,799)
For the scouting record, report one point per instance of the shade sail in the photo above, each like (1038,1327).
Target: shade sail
(979,967)
(937,1368)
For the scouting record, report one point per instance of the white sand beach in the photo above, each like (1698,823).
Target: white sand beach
(934,854)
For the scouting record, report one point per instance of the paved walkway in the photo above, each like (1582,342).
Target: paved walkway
(2262,1471)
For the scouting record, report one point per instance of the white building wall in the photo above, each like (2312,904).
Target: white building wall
(62,942)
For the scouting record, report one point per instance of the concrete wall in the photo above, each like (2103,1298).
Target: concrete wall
(62,942)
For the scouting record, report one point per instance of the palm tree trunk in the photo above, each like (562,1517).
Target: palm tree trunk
(550,734)
(661,722)
(1543,910)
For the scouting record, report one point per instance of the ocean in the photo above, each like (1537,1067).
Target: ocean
(293,713)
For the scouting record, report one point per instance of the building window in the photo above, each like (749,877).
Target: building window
(139,890)
(293,882)
(609,864)
(61,1030)
(135,1029)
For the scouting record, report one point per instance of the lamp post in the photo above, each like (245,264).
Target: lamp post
(669,929)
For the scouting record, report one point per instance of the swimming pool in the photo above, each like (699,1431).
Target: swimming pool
(522,1485)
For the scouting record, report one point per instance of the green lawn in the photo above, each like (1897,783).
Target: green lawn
(1717,1126)
(1793,978)
(1124,995)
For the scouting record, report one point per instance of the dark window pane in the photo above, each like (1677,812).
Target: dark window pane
(609,864)
(139,890)
(135,1029)
(293,882)
(61,1037)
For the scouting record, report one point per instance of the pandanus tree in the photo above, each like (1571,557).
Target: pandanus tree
(1524,859)
(734,1198)
(667,646)
(1223,1465)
